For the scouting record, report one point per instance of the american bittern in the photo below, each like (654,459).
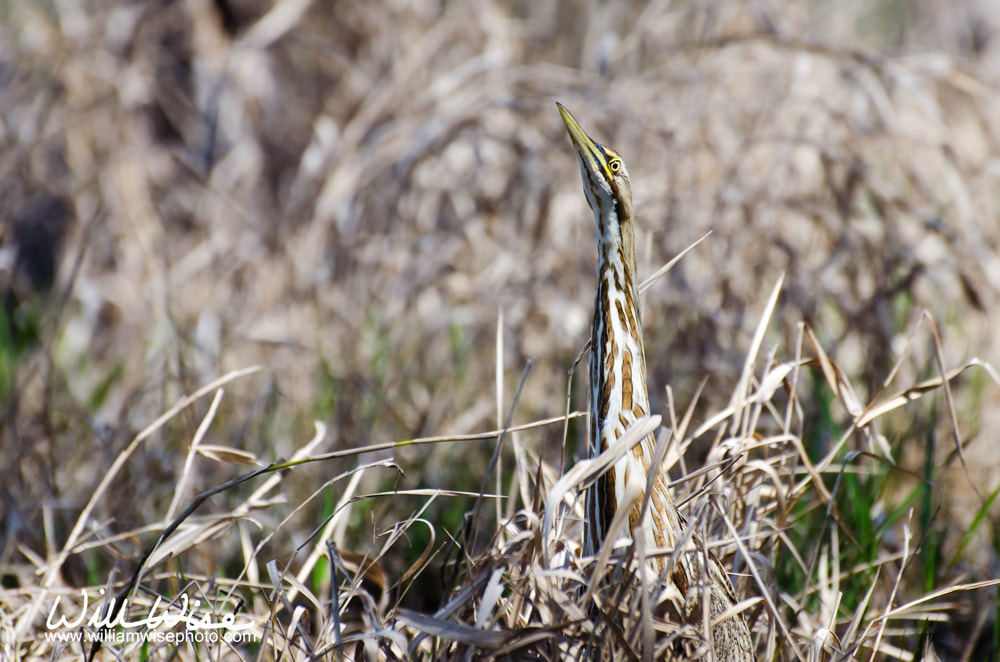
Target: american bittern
(618,397)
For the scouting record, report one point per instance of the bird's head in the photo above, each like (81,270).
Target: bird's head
(605,182)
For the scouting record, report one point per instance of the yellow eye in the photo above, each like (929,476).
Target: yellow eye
(615,165)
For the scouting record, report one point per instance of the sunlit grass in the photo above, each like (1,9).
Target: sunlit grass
(376,203)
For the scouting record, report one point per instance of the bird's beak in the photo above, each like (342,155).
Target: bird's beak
(590,154)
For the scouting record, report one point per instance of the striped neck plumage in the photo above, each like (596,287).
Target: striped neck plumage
(617,380)
(617,360)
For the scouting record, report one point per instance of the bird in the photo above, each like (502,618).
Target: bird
(619,397)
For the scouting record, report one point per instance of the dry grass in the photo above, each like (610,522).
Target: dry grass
(376,204)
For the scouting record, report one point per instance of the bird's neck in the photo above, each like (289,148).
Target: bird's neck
(617,361)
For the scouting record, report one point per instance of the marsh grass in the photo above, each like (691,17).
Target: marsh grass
(375,204)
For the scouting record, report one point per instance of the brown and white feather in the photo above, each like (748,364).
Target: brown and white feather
(619,396)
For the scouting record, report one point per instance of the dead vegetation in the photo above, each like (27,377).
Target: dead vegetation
(376,204)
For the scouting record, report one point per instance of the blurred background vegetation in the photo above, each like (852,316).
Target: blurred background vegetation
(351,193)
